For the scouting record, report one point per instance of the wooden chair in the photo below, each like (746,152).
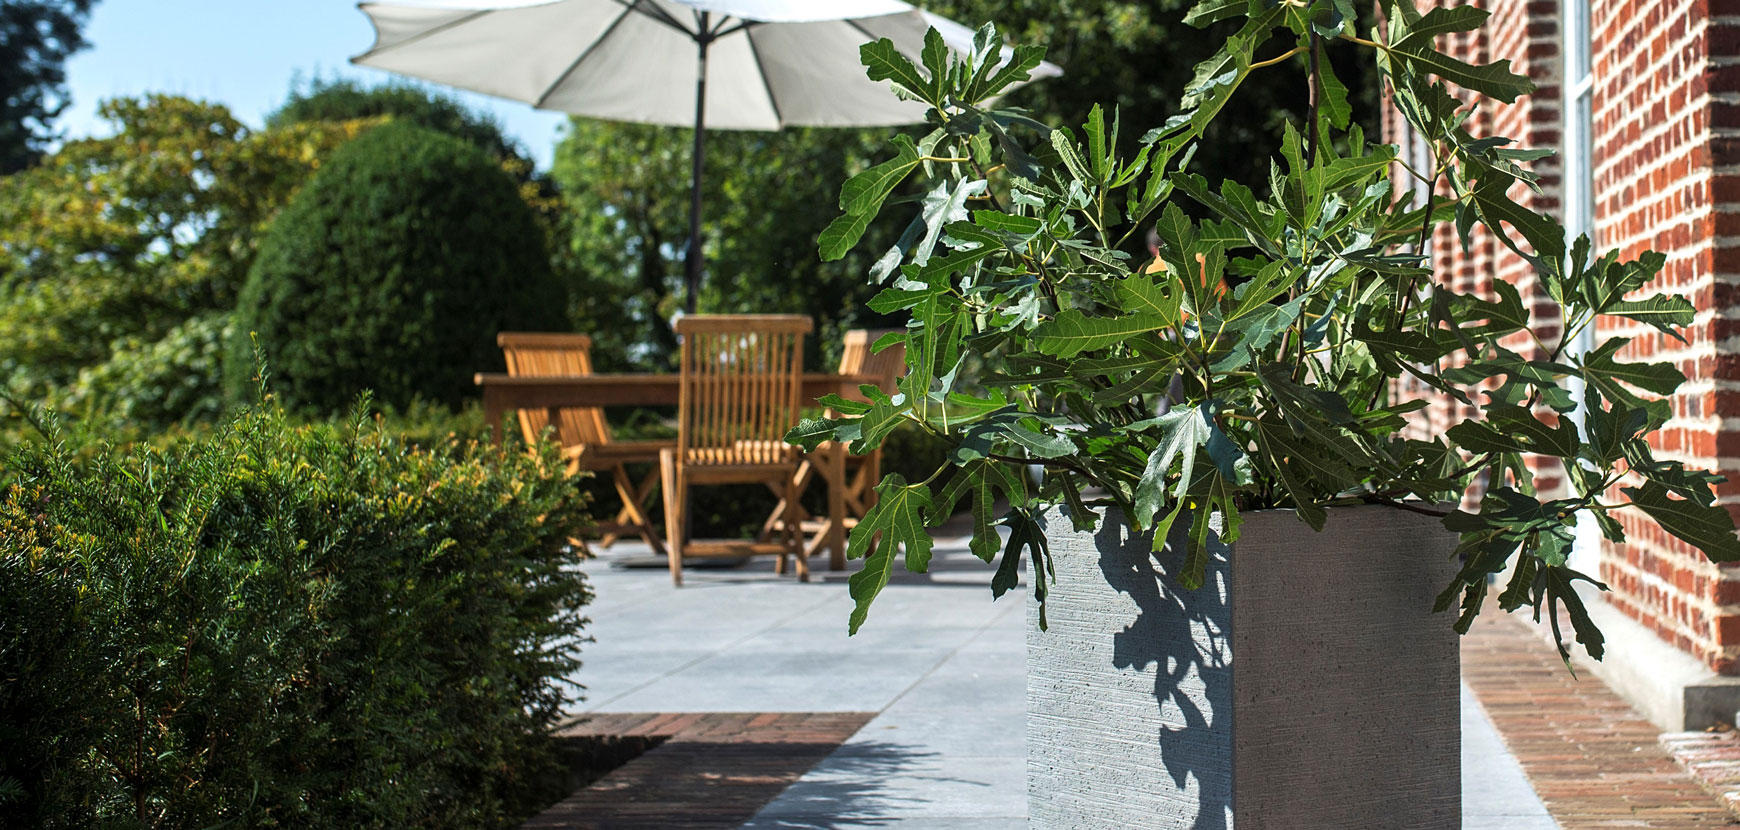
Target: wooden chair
(742,378)
(863,472)
(582,431)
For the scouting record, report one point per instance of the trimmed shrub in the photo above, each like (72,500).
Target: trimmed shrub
(393,270)
(271,625)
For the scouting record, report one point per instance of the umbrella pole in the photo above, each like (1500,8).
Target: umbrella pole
(693,261)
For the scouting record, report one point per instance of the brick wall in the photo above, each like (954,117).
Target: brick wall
(1662,72)
(1666,121)
(1528,34)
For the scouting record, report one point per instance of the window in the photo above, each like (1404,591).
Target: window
(1579,203)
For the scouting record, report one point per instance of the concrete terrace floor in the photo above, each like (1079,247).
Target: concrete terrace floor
(939,662)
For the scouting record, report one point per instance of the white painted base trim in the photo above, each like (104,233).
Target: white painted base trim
(1672,689)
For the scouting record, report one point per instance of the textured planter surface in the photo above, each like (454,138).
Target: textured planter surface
(1307,685)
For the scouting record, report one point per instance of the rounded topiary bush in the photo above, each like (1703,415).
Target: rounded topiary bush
(392,270)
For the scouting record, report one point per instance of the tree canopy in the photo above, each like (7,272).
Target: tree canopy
(343,99)
(767,196)
(764,198)
(36,38)
(112,244)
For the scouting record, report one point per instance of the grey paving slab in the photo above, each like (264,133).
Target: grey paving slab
(942,664)
(746,639)
(809,823)
(1495,793)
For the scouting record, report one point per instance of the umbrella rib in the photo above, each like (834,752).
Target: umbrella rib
(866,32)
(653,11)
(423,35)
(627,9)
(761,69)
(721,30)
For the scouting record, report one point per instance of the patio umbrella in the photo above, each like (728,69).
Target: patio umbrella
(757,64)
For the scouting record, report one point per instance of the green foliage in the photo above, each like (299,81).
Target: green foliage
(170,380)
(337,100)
(113,248)
(1133,56)
(36,38)
(627,187)
(280,626)
(340,101)
(393,270)
(1284,319)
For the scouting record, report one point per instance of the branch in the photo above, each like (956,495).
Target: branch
(1313,80)
(1402,505)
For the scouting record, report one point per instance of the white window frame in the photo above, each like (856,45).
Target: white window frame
(1578,182)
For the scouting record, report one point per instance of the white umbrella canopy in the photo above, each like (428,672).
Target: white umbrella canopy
(721,64)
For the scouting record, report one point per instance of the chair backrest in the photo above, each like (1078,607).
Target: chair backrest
(887,366)
(742,377)
(540,354)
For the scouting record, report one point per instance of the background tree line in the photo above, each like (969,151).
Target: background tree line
(121,258)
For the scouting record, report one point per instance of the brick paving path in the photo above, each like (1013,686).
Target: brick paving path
(714,770)
(1593,760)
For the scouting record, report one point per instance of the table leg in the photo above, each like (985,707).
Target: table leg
(834,469)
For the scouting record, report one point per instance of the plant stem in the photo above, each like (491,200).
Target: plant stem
(1363,42)
(1315,80)
(1278,58)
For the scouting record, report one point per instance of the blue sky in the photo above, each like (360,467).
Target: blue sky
(242,53)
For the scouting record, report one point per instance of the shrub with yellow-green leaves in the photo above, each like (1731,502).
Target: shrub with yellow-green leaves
(110,246)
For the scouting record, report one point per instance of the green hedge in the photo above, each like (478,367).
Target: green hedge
(271,625)
(393,270)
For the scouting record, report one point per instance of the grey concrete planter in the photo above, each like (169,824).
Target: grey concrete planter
(1307,686)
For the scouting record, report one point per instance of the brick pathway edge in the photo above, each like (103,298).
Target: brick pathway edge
(1713,758)
(1592,759)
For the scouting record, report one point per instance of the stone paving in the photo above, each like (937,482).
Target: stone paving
(941,669)
(941,665)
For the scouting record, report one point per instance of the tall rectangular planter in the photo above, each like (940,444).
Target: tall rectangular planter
(1307,685)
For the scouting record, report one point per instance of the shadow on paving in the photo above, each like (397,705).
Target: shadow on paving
(716,770)
(848,791)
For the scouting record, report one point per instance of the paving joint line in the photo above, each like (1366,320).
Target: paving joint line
(705,657)
(945,658)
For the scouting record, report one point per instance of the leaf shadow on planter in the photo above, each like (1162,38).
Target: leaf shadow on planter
(1184,639)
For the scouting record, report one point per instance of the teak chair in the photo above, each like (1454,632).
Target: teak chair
(863,472)
(582,431)
(742,377)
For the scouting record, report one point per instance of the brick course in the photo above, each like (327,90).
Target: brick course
(1666,123)
(713,771)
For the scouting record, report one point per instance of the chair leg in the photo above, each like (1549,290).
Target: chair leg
(627,514)
(806,472)
(671,477)
(634,505)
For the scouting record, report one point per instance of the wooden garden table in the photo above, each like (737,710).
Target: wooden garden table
(503,392)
